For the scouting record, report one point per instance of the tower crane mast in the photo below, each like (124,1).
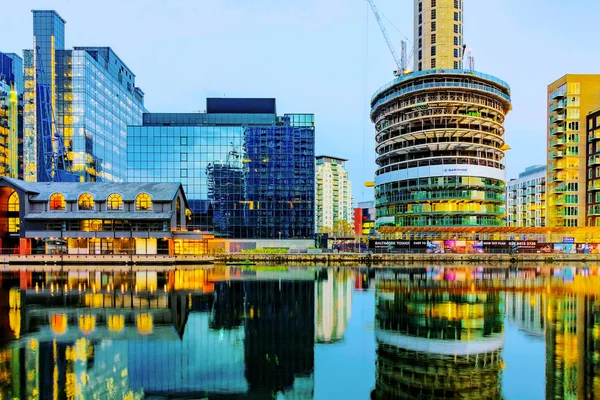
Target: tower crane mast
(400,62)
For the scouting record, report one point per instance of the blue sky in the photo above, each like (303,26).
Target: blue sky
(321,56)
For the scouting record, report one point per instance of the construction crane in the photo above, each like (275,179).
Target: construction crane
(400,63)
(52,145)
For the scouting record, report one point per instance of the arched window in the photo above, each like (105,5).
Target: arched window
(57,202)
(143,202)
(13,202)
(178,216)
(114,202)
(85,202)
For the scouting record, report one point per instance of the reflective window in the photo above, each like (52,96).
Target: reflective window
(13,202)
(114,202)
(85,202)
(143,202)
(57,202)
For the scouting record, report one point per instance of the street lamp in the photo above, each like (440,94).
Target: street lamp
(279,235)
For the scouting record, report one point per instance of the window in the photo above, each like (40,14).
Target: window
(433,37)
(433,26)
(455,64)
(420,65)
(420,30)
(456,4)
(420,56)
(114,202)
(456,16)
(573,126)
(178,212)
(597,197)
(433,3)
(143,202)
(573,113)
(420,42)
(183,141)
(433,63)
(455,28)
(57,202)
(433,14)
(183,157)
(420,18)
(420,6)
(184,173)
(85,202)
(456,40)
(13,203)
(433,50)
(455,53)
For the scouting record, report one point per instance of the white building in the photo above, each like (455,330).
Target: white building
(526,198)
(333,193)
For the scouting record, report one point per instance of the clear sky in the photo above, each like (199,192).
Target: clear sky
(325,57)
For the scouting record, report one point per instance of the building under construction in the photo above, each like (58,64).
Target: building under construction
(439,132)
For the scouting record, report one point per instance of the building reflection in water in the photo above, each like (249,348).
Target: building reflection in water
(437,338)
(333,304)
(216,332)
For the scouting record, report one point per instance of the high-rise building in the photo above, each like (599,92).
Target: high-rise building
(11,115)
(570,99)
(593,168)
(333,195)
(438,26)
(78,103)
(247,172)
(440,139)
(526,198)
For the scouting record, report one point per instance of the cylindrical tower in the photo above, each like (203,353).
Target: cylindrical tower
(438,34)
(437,339)
(440,148)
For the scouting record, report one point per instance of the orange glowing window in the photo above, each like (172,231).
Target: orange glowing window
(57,202)
(86,202)
(143,202)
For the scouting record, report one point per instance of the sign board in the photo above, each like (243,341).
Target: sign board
(569,240)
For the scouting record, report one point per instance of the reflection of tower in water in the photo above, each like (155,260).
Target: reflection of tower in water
(573,346)
(333,304)
(441,340)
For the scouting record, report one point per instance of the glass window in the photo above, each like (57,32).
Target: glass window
(114,202)
(13,202)
(143,202)
(85,202)
(57,202)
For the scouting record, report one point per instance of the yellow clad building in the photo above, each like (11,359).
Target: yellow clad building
(570,99)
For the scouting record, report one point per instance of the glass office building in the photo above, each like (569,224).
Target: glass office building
(90,95)
(247,172)
(11,115)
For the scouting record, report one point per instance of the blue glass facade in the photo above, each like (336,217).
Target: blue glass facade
(246,175)
(11,115)
(92,99)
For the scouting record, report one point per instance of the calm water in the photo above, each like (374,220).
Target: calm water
(301,333)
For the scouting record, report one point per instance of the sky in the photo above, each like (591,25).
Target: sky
(325,57)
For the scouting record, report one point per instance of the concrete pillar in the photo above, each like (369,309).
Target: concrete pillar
(24,247)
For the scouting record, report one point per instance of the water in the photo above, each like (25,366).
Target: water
(301,333)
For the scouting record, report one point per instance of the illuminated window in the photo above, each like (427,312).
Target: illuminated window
(57,202)
(143,202)
(114,202)
(86,202)
(13,202)
(14,225)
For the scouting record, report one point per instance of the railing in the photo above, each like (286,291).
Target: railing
(436,86)
(438,72)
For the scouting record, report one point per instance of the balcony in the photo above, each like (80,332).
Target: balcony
(594,160)
(557,118)
(595,185)
(594,211)
(557,130)
(558,94)
(594,136)
(557,142)
(557,154)
(560,189)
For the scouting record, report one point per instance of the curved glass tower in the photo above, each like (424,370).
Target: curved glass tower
(440,135)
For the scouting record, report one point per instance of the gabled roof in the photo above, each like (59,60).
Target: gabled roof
(41,191)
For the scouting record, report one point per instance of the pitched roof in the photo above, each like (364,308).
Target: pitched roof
(41,191)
